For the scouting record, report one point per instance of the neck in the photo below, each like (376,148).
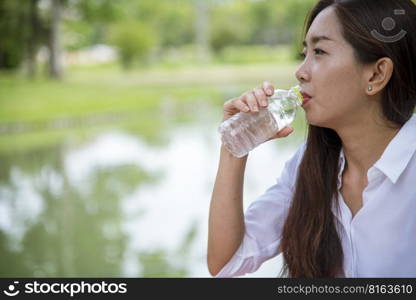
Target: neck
(364,143)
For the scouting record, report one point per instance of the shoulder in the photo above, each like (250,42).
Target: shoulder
(290,170)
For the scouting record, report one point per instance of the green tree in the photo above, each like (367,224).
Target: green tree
(14,31)
(87,22)
(133,40)
(230,25)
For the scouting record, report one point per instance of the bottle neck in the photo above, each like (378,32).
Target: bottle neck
(295,92)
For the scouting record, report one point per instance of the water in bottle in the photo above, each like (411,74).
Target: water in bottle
(242,132)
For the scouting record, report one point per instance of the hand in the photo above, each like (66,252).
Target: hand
(251,102)
(282,133)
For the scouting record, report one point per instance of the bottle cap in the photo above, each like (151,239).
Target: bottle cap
(296,89)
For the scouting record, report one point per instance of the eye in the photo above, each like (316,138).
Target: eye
(319,51)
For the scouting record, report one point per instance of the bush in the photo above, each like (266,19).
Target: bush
(133,41)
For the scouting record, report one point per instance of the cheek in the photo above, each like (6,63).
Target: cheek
(337,86)
(338,83)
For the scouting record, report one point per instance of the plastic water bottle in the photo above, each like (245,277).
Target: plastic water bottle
(242,132)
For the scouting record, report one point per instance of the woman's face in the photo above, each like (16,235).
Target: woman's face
(331,75)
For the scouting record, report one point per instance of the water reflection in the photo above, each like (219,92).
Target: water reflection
(78,212)
(57,229)
(118,206)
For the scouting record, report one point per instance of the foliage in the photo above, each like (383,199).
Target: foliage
(133,40)
(138,27)
(223,29)
(12,14)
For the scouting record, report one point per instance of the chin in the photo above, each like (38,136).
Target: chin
(311,120)
(319,122)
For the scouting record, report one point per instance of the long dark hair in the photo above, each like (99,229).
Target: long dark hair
(310,242)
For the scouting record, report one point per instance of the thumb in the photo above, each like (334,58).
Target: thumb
(282,133)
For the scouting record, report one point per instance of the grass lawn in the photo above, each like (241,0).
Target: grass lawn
(104,92)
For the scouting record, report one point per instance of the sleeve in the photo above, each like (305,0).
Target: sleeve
(264,220)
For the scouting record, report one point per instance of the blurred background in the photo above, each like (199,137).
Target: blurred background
(108,128)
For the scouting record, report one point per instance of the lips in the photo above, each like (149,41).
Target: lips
(306,98)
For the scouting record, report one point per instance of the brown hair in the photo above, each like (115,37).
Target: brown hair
(310,243)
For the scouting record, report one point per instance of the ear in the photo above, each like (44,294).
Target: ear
(378,75)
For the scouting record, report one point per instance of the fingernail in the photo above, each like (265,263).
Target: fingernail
(269,91)
(264,102)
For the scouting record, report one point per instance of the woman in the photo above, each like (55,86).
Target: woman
(345,203)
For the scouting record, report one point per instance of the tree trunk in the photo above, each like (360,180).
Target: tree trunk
(55,60)
(33,40)
(201,30)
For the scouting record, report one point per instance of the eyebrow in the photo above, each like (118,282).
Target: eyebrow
(315,39)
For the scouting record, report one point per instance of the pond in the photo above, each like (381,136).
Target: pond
(117,204)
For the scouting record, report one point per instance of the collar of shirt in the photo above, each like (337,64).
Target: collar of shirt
(395,157)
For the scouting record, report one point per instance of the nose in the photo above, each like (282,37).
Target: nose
(302,74)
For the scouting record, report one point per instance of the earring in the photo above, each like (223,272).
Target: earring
(370,88)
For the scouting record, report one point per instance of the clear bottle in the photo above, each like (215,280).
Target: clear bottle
(242,132)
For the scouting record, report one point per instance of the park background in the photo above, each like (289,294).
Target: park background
(108,128)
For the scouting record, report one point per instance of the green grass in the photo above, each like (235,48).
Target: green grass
(90,91)
(136,97)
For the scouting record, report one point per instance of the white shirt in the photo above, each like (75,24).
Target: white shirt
(380,241)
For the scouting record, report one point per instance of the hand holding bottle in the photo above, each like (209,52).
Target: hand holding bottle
(252,102)
(258,116)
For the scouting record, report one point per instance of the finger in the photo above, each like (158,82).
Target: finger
(268,88)
(282,133)
(251,101)
(260,96)
(241,105)
(285,131)
(234,106)
(229,105)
